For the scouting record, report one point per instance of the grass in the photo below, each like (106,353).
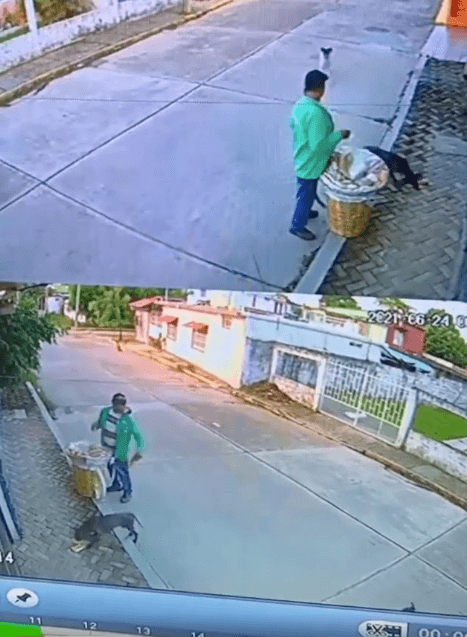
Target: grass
(10,36)
(440,424)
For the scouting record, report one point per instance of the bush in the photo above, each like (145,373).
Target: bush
(17,18)
(52,11)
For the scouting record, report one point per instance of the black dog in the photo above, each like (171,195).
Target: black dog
(409,609)
(399,165)
(91,530)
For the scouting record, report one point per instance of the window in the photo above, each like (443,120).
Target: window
(199,338)
(278,306)
(364,329)
(399,338)
(301,370)
(172,330)
(226,322)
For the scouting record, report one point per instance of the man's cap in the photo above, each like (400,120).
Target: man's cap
(315,79)
(119,399)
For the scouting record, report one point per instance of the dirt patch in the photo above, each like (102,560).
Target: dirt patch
(269,392)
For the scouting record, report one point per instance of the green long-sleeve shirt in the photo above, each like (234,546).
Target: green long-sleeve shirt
(314,137)
(126,429)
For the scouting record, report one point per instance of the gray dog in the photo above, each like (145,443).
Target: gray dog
(91,530)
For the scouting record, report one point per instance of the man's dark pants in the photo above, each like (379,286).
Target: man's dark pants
(121,476)
(306,195)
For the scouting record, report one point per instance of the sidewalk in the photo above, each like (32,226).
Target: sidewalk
(48,509)
(270,398)
(416,240)
(212,98)
(37,73)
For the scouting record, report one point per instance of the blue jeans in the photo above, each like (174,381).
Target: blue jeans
(120,475)
(306,195)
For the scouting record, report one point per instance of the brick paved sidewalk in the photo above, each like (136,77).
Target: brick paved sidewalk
(412,245)
(48,509)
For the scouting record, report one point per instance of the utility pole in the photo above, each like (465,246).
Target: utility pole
(166,294)
(78,294)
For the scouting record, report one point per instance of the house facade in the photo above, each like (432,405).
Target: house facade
(409,338)
(244,348)
(211,338)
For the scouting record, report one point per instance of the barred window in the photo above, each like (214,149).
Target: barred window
(301,370)
(172,330)
(199,338)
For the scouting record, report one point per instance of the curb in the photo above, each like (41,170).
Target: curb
(389,464)
(333,244)
(28,87)
(45,414)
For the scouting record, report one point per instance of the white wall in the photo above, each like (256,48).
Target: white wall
(225,348)
(441,455)
(108,13)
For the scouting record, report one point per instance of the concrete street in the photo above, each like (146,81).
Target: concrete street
(172,159)
(235,500)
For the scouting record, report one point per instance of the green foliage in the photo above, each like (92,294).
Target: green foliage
(18,17)
(54,10)
(344,302)
(93,301)
(111,309)
(446,342)
(62,322)
(21,336)
(394,303)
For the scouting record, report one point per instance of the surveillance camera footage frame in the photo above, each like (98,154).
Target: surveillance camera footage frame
(324,351)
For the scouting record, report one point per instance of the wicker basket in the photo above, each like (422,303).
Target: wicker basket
(86,482)
(348,219)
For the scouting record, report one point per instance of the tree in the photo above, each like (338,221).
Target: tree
(393,303)
(445,342)
(21,336)
(344,302)
(111,309)
(88,294)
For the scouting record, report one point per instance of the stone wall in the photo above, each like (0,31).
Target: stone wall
(441,455)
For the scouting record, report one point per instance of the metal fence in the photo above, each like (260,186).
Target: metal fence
(362,399)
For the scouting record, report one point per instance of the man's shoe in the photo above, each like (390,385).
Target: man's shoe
(125,498)
(312,214)
(114,488)
(306,235)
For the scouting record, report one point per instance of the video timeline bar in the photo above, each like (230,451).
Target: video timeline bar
(173,614)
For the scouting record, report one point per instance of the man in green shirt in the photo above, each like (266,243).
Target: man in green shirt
(118,427)
(314,142)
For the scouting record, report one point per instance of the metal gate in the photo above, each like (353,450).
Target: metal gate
(360,398)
